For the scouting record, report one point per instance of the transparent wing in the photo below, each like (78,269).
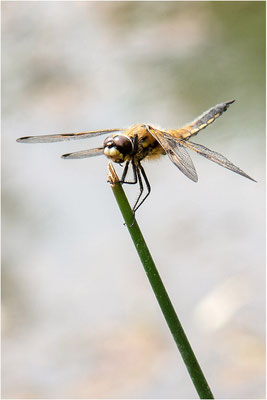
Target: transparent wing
(180,157)
(203,120)
(84,153)
(61,137)
(177,153)
(215,157)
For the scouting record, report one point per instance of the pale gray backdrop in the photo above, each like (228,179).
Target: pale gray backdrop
(79,317)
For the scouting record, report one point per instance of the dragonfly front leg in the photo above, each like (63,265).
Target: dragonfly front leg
(124,174)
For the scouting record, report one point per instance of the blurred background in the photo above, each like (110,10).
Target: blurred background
(79,318)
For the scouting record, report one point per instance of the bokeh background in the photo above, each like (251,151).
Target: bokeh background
(79,317)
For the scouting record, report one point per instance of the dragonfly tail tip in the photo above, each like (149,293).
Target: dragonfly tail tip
(230,101)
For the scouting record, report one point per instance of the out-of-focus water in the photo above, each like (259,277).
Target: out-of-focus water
(79,317)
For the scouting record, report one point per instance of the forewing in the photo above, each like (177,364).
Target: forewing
(215,157)
(61,137)
(84,153)
(203,120)
(177,153)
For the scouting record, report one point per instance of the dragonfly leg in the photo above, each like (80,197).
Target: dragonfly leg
(122,180)
(139,179)
(147,185)
(141,187)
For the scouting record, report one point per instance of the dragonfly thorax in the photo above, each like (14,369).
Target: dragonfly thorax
(117,147)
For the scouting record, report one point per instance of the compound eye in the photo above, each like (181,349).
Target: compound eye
(109,142)
(123,144)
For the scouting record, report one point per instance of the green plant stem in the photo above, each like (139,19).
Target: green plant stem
(161,294)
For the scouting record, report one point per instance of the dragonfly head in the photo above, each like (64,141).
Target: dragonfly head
(117,147)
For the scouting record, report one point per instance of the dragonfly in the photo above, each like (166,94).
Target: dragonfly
(130,146)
